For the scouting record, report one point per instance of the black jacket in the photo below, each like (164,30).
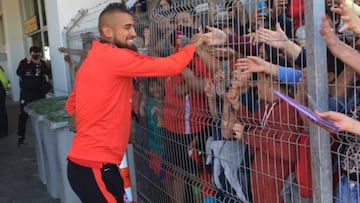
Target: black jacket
(32,77)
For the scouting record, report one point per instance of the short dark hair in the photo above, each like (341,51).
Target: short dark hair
(112,8)
(35,49)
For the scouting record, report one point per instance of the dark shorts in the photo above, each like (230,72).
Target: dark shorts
(96,185)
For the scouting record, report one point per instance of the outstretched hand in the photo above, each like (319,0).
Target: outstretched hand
(216,36)
(209,88)
(199,39)
(344,122)
(327,32)
(240,79)
(63,50)
(350,19)
(227,126)
(251,64)
(276,39)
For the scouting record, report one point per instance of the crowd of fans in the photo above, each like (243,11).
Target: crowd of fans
(217,132)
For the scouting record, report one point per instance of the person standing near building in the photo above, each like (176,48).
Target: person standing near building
(101,102)
(3,114)
(31,72)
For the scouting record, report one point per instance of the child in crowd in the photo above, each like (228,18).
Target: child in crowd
(150,110)
(228,156)
(272,132)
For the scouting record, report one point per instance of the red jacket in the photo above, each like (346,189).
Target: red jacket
(101,99)
(272,135)
(303,167)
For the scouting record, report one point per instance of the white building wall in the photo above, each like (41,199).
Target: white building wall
(59,13)
(14,39)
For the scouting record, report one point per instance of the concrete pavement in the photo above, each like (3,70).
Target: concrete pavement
(19,180)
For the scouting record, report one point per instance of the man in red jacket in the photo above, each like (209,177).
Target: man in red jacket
(101,101)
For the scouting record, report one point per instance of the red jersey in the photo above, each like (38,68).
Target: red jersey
(186,114)
(296,11)
(274,144)
(101,99)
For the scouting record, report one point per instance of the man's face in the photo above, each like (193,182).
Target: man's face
(123,31)
(35,56)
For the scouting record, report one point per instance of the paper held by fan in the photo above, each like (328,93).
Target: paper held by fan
(311,115)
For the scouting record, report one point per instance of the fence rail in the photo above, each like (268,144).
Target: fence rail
(217,132)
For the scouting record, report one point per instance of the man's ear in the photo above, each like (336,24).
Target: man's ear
(107,32)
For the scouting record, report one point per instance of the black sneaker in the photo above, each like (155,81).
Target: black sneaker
(20,141)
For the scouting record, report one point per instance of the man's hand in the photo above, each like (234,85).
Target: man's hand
(219,78)
(276,39)
(199,39)
(328,34)
(344,122)
(209,88)
(227,126)
(251,64)
(350,19)
(233,97)
(240,79)
(63,50)
(187,74)
(215,36)
(67,58)
(238,130)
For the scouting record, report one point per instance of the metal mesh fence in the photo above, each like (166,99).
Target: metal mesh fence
(218,133)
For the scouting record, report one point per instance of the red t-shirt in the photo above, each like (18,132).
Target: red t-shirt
(101,99)
(296,10)
(186,114)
